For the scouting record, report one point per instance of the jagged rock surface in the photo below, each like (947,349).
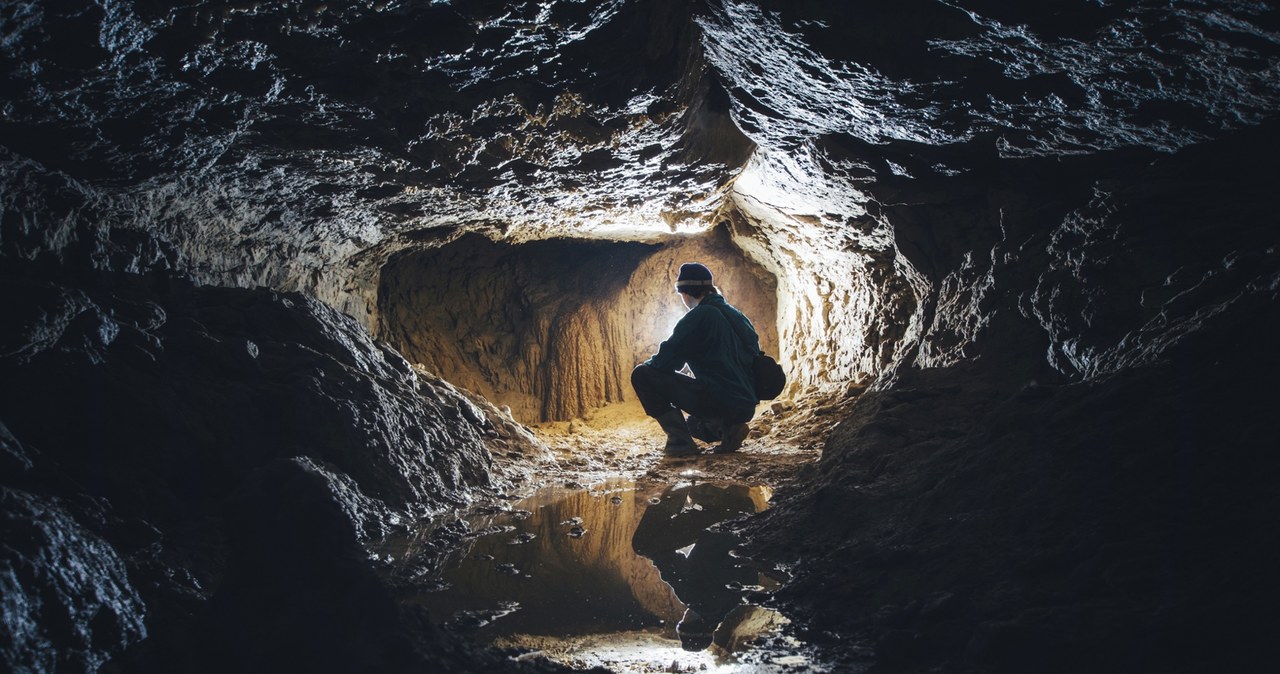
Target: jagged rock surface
(1078,455)
(141,410)
(955,199)
(983,531)
(302,147)
(68,602)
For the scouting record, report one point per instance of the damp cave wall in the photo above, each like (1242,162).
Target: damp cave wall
(191,471)
(551,329)
(1065,469)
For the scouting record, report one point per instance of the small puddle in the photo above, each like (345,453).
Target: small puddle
(617,577)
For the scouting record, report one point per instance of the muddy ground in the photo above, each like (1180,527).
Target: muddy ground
(620,441)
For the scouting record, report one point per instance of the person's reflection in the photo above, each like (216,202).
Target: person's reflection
(694,561)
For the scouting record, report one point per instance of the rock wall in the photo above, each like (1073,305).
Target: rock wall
(299,147)
(168,448)
(1072,454)
(68,602)
(846,314)
(553,328)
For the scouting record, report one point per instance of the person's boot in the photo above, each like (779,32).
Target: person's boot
(732,438)
(706,430)
(694,631)
(679,441)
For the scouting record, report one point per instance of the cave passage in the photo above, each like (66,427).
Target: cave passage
(551,329)
(280,280)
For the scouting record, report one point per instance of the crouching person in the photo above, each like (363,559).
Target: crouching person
(718,343)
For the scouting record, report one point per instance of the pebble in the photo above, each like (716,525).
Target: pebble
(509,569)
(572,521)
(523,537)
(576,531)
(616,500)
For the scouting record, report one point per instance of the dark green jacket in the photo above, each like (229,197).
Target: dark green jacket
(706,339)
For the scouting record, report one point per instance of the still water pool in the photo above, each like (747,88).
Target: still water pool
(618,576)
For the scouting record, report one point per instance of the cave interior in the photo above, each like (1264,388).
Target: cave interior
(286,286)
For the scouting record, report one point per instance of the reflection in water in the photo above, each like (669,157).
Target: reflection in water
(694,561)
(565,558)
(605,560)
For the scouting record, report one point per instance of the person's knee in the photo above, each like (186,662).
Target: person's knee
(644,380)
(641,375)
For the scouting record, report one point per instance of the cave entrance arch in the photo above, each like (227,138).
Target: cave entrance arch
(552,328)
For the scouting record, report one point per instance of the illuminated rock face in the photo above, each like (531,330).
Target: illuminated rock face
(302,148)
(553,328)
(1000,212)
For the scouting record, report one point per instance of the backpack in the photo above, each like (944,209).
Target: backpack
(767,377)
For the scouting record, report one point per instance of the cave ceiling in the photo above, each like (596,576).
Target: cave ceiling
(280,139)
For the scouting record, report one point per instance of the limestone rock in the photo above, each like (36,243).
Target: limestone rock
(141,394)
(68,604)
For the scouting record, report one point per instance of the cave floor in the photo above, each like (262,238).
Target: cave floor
(620,441)
(594,559)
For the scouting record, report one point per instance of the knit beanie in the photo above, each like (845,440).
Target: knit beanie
(693,274)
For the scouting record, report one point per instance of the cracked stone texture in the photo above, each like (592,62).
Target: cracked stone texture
(137,408)
(300,146)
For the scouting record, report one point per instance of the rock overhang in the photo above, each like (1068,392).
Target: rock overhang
(301,146)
